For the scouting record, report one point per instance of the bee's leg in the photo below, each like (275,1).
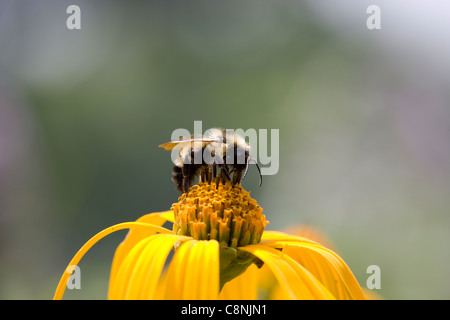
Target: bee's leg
(237,176)
(222,177)
(214,170)
(205,174)
(209,175)
(234,171)
(186,185)
(224,169)
(186,170)
(214,174)
(177,178)
(224,174)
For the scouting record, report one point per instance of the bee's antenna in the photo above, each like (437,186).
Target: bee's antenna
(257,166)
(259,170)
(246,167)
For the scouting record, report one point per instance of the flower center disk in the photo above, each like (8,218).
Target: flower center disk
(225,213)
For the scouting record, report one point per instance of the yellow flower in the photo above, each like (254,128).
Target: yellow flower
(218,249)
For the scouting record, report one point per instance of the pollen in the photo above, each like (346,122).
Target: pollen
(222,212)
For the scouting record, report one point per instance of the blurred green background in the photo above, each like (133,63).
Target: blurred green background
(364,120)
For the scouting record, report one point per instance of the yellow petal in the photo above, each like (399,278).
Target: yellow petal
(136,235)
(310,232)
(371,295)
(193,272)
(142,275)
(203,271)
(175,275)
(168,215)
(243,287)
(326,266)
(325,271)
(76,259)
(298,282)
(119,283)
(281,236)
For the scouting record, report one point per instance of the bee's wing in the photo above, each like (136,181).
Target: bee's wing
(182,143)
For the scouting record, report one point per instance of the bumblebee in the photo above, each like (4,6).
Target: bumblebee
(217,154)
